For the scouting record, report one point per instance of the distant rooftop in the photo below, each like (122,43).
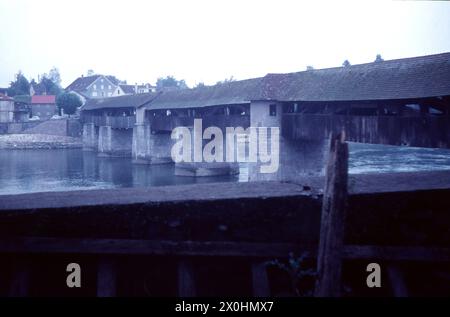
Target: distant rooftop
(43,99)
(5,98)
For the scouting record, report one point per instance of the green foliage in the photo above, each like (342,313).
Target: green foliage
(20,86)
(200,85)
(69,102)
(50,87)
(51,82)
(297,271)
(226,80)
(379,58)
(346,63)
(170,82)
(22,98)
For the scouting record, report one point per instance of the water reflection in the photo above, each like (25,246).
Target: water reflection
(23,171)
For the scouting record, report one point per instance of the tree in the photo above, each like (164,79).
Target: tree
(69,102)
(309,67)
(170,82)
(200,85)
(379,58)
(90,72)
(346,63)
(226,80)
(55,76)
(50,82)
(51,88)
(20,86)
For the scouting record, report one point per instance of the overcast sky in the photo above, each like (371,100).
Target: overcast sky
(207,41)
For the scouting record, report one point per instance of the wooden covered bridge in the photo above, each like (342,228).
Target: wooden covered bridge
(398,102)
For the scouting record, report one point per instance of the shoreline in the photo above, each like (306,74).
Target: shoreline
(38,141)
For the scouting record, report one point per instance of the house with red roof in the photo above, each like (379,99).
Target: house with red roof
(43,106)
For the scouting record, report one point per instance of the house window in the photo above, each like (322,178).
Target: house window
(102,87)
(273,110)
(109,86)
(95,87)
(118,91)
(103,94)
(94,94)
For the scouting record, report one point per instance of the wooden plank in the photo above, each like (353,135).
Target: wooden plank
(397,280)
(394,253)
(20,280)
(106,277)
(39,245)
(260,280)
(329,259)
(186,279)
(149,247)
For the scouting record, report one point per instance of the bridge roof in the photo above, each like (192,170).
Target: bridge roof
(407,78)
(234,92)
(126,101)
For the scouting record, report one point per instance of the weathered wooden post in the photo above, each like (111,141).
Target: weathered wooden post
(106,277)
(186,280)
(329,258)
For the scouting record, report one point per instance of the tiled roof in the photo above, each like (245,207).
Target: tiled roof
(407,78)
(128,89)
(127,101)
(43,99)
(4,97)
(233,92)
(81,83)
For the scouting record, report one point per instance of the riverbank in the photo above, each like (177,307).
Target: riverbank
(38,141)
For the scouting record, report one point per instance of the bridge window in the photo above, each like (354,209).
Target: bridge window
(273,110)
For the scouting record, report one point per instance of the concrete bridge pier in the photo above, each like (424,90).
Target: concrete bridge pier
(90,137)
(114,142)
(151,147)
(298,160)
(140,145)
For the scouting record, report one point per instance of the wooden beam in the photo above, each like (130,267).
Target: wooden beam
(260,280)
(186,279)
(150,247)
(106,277)
(39,245)
(329,259)
(397,253)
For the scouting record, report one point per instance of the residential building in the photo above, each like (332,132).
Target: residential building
(43,106)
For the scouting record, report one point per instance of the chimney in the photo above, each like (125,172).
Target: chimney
(135,88)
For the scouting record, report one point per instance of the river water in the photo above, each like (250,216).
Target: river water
(25,171)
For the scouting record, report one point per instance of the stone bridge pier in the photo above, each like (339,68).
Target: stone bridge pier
(150,147)
(90,137)
(114,142)
(200,166)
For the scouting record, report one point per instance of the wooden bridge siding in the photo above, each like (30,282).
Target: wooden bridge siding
(119,122)
(420,131)
(168,123)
